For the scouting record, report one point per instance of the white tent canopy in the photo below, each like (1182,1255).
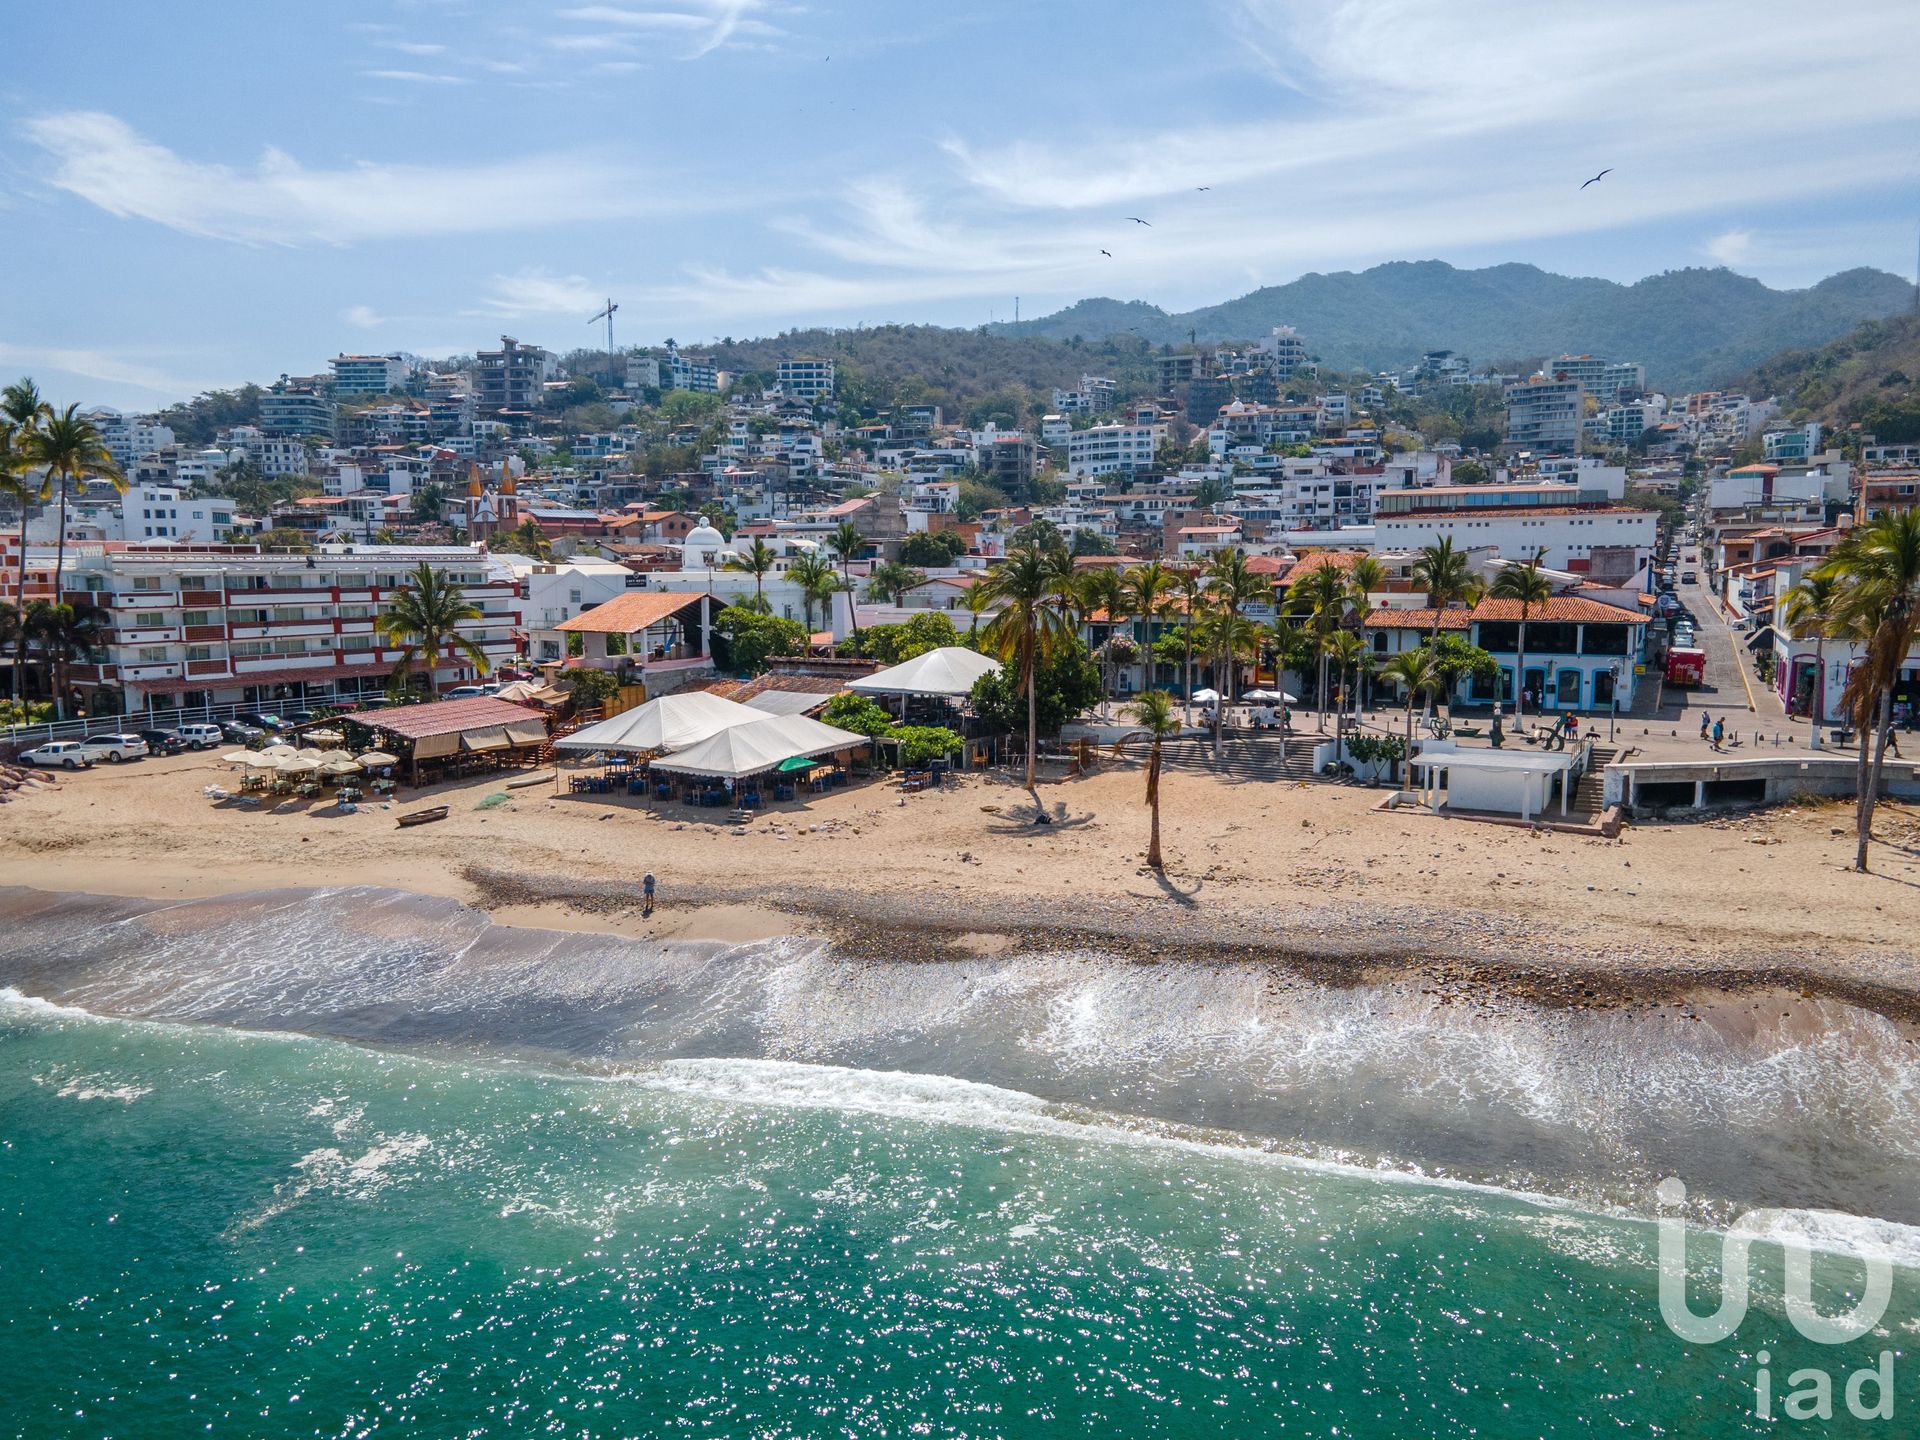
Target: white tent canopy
(744,750)
(672,722)
(950,670)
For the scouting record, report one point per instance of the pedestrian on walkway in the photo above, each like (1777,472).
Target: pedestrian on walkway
(1706,723)
(1719,732)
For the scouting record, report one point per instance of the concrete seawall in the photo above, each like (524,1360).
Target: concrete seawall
(1642,787)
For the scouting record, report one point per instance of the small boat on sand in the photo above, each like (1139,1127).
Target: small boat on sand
(422,817)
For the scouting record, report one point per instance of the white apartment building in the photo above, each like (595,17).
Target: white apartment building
(129,437)
(272,455)
(369,374)
(194,627)
(1285,353)
(1104,449)
(805,379)
(558,590)
(163,513)
(686,372)
(1545,414)
(1605,380)
(1568,528)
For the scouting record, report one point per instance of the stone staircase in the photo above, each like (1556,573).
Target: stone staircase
(1588,801)
(567,727)
(1244,757)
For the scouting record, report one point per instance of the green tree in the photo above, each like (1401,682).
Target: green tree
(920,745)
(65,633)
(1416,674)
(751,637)
(1457,659)
(1031,585)
(1066,684)
(1469,472)
(1813,608)
(1154,713)
(1530,587)
(847,542)
(526,538)
(757,560)
(21,413)
(592,689)
(818,582)
(1324,596)
(429,502)
(1878,570)
(1446,575)
(858,714)
(422,618)
(70,449)
(890,580)
(1097,590)
(933,548)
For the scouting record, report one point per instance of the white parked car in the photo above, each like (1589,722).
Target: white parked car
(470,692)
(201,737)
(64,754)
(119,747)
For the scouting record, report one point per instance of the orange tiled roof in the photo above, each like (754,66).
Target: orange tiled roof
(628,612)
(1457,618)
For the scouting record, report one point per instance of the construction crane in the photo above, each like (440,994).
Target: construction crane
(613,372)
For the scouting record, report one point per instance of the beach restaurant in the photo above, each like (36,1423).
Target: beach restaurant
(689,740)
(1497,782)
(458,737)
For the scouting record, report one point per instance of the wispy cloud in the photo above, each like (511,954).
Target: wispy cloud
(363,317)
(280,201)
(535,293)
(111,367)
(1731,248)
(416,77)
(412,47)
(708,24)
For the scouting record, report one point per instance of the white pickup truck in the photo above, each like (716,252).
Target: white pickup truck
(65,754)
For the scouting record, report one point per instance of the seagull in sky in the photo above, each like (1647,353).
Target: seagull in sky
(1138,221)
(1203,187)
(1603,173)
(1107,253)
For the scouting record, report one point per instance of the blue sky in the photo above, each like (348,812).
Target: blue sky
(199,195)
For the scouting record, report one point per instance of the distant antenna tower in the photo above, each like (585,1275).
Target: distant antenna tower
(607,315)
(1016,309)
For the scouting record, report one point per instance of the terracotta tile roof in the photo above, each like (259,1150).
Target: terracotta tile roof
(633,610)
(1338,559)
(1561,609)
(447,717)
(1457,618)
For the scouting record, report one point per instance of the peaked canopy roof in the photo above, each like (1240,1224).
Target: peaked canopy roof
(672,722)
(758,746)
(950,670)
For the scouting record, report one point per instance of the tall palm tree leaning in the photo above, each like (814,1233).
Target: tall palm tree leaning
(1446,575)
(1813,607)
(1416,674)
(21,413)
(1101,588)
(422,618)
(1530,587)
(71,449)
(818,581)
(1350,655)
(1234,586)
(756,561)
(1878,568)
(1030,584)
(1153,712)
(847,542)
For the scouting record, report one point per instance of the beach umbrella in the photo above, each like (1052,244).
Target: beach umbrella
(262,760)
(325,737)
(313,753)
(339,764)
(1206,697)
(1271,697)
(280,750)
(377,757)
(299,765)
(240,757)
(798,762)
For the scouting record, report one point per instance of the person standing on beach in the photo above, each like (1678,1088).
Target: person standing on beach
(646,893)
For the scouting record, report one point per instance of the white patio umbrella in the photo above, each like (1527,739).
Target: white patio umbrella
(339,764)
(1206,697)
(325,737)
(1271,697)
(377,757)
(299,765)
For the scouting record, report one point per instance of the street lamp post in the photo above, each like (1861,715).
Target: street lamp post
(1613,700)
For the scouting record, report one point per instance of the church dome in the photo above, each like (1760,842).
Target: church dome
(702,545)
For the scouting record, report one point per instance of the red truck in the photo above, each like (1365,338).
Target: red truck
(1686,666)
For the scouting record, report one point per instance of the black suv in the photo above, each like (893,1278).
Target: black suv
(163,742)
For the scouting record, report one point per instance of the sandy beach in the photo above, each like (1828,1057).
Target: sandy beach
(1310,875)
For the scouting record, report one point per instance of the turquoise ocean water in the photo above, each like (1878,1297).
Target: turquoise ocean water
(217,1229)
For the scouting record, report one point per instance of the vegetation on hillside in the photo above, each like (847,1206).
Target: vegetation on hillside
(1870,377)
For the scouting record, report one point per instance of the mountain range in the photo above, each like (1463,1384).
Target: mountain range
(1691,328)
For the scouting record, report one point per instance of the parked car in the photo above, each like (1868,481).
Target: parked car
(201,736)
(123,745)
(261,720)
(240,731)
(469,692)
(299,717)
(62,755)
(164,742)
(1689,577)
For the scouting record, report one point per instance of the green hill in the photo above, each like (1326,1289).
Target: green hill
(1870,377)
(1690,328)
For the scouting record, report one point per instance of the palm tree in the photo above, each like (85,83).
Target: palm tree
(1348,653)
(1096,589)
(1416,674)
(1031,584)
(422,618)
(70,448)
(889,581)
(757,561)
(1324,595)
(526,538)
(1154,713)
(1228,639)
(1446,575)
(1234,586)
(1367,576)
(65,633)
(1878,569)
(1191,587)
(979,599)
(1526,584)
(1813,607)
(847,542)
(19,484)
(818,581)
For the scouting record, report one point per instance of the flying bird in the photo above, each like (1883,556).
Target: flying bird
(1603,173)
(1138,221)
(1107,253)
(1203,187)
